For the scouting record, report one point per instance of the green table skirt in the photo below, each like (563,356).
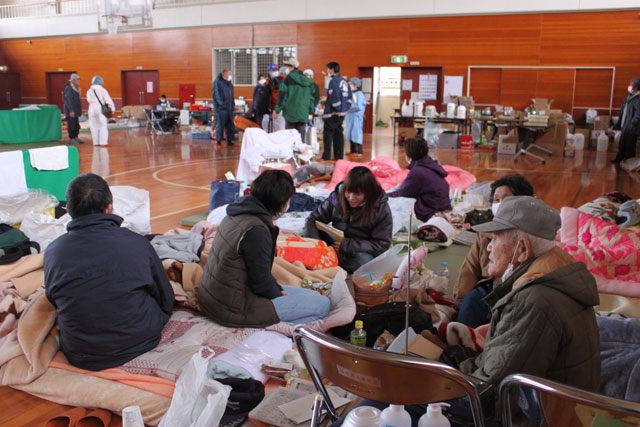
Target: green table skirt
(22,126)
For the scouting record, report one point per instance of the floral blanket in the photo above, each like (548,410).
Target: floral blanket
(611,253)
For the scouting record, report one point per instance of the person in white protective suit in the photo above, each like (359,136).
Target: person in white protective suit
(97,121)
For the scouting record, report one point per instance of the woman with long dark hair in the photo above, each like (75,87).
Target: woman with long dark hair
(359,208)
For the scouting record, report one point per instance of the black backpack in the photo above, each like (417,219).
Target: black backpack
(262,100)
(390,317)
(14,244)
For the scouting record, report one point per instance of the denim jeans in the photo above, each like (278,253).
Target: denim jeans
(301,305)
(473,311)
(351,262)
(225,122)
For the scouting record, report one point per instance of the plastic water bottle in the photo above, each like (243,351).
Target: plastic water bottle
(358,335)
(395,416)
(434,417)
(441,278)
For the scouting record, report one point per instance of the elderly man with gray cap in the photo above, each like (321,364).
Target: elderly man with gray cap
(542,317)
(295,97)
(73,108)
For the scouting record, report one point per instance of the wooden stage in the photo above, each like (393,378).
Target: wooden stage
(177,172)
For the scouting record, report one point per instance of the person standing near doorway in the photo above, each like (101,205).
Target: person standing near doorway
(629,123)
(295,99)
(73,108)
(335,109)
(224,105)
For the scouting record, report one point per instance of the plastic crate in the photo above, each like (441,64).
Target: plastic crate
(200,135)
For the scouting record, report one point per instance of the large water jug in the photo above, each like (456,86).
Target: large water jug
(418,107)
(578,141)
(451,109)
(603,142)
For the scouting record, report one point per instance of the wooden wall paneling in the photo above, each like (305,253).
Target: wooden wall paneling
(593,39)
(275,34)
(593,88)
(105,55)
(556,84)
(231,36)
(518,86)
(32,60)
(485,85)
(189,61)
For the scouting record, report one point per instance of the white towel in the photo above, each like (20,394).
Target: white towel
(12,179)
(50,158)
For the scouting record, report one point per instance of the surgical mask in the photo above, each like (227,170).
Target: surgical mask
(285,71)
(229,78)
(630,89)
(494,208)
(275,74)
(509,271)
(262,81)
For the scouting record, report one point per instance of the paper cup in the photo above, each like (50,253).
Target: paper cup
(362,416)
(132,417)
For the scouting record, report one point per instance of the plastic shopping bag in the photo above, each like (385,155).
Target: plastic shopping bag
(198,400)
(44,228)
(222,193)
(387,262)
(133,205)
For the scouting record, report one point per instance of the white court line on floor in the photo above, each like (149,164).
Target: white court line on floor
(180,211)
(155,176)
(193,162)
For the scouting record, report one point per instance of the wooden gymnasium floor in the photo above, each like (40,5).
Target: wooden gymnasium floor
(177,172)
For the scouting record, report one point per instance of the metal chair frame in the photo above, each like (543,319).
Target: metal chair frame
(379,375)
(618,407)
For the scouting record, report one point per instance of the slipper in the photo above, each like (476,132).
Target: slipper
(95,418)
(67,419)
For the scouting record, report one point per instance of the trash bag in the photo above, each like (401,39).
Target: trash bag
(132,204)
(43,228)
(14,208)
(198,400)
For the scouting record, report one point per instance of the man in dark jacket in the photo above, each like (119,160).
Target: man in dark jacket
(543,321)
(107,284)
(73,108)
(295,99)
(335,110)
(426,181)
(263,96)
(224,105)
(629,123)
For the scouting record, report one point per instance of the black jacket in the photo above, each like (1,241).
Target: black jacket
(370,237)
(71,101)
(316,94)
(110,291)
(223,94)
(630,122)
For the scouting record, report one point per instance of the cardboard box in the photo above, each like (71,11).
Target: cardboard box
(601,122)
(508,144)
(423,347)
(448,140)
(541,105)
(405,133)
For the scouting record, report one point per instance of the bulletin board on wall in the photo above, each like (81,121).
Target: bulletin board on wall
(422,83)
(573,89)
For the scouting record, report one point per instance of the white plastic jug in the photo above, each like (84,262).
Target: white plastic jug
(363,416)
(462,112)
(603,142)
(430,111)
(418,107)
(451,109)
(578,141)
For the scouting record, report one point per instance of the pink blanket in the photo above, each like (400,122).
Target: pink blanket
(389,174)
(611,253)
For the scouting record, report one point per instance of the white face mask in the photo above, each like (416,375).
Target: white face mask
(230,77)
(285,71)
(494,208)
(630,89)
(275,74)
(262,81)
(507,273)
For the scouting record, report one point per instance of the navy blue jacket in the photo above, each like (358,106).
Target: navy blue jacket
(71,101)
(223,94)
(110,291)
(338,97)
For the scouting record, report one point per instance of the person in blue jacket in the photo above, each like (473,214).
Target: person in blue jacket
(355,117)
(224,105)
(107,284)
(335,110)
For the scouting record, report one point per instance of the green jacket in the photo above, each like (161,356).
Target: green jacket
(296,97)
(543,324)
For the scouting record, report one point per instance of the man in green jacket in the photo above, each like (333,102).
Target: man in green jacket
(542,317)
(295,99)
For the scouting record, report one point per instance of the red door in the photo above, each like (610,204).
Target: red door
(10,91)
(56,82)
(365,73)
(187,93)
(413,74)
(140,87)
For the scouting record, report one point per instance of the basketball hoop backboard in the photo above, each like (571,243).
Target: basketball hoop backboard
(124,14)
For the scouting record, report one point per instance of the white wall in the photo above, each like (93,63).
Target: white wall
(265,11)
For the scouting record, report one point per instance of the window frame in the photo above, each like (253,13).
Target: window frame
(254,60)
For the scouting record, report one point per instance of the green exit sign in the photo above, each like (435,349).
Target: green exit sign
(4,68)
(402,59)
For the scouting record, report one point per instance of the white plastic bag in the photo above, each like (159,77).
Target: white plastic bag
(406,110)
(14,208)
(198,401)
(387,262)
(591,115)
(132,204)
(43,228)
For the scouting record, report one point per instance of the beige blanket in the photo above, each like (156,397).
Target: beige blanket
(26,274)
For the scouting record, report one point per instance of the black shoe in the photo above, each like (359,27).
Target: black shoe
(219,144)
(78,140)
(616,160)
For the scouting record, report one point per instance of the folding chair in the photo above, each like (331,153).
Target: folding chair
(553,404)
(382,376)
(153,123)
